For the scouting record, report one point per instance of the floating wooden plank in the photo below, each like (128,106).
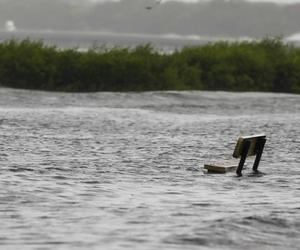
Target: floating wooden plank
(221,167)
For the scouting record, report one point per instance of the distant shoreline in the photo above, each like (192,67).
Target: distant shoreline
(84,40)
(210,92)
(269,65)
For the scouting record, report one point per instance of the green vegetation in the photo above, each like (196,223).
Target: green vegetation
(267,65)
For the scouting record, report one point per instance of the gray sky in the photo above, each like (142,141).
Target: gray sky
(273,1)
(226,18)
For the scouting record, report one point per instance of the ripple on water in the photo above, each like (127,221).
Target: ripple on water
(124,171)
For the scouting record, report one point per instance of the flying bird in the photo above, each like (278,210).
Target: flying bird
(155,3)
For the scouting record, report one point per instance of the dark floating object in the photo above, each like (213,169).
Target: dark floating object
(151,7)
(245,146)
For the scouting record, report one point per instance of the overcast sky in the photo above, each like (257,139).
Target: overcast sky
(226,18)
(274,1)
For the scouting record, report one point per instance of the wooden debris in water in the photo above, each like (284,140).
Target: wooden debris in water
(221,167)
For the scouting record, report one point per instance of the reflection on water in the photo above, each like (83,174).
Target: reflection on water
(124,171)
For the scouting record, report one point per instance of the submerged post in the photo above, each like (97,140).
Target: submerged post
(244,154)
(259,148)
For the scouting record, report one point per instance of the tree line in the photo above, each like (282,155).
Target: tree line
(266,65)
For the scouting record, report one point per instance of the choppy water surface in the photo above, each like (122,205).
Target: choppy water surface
(124,171)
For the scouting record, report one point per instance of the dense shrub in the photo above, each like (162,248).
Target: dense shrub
(267,65)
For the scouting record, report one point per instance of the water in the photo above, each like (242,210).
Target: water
(90,39)
(124,171)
